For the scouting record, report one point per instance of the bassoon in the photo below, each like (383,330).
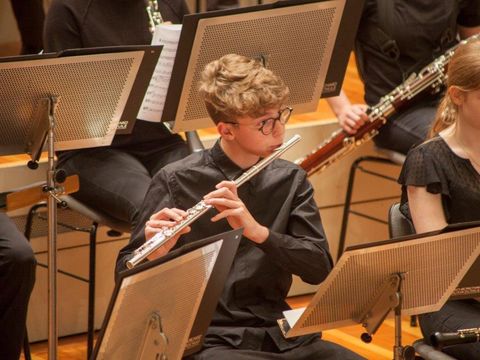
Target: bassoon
(430,80)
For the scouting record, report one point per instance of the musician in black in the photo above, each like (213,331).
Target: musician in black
(282,235)
(30,18)
(17,276)
(396,38)
(114,179)
(441,181)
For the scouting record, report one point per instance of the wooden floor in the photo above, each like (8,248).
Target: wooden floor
(74,347)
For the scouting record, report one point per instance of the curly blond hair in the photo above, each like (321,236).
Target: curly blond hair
(235,85)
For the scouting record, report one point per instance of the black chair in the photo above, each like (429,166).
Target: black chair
(389,157)
(400,225)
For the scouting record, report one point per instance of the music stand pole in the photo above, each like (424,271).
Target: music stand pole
(84,116)
(45,132)
(52,237)
(400,352)
(52,246)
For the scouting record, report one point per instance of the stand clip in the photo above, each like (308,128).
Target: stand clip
(378,309)
(155,342)
(389,298)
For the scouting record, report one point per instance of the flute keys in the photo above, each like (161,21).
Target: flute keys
(167,232)
(200,206)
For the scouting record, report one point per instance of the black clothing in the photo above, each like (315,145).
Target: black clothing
(422,30)
(17,276)
(114,179)
(74,24)
(316,349)
(455,315)
(407,128)
(417,28)
(280,198)
(30,17)
(93,23)
(436,167)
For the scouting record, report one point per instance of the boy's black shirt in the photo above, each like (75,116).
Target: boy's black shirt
(280,198)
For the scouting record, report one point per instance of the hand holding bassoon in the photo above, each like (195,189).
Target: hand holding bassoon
(351,117)
(429,81)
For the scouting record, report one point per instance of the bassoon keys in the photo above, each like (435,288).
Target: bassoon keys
(429,81)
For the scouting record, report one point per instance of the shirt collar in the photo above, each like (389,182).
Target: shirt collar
(230,170)
(223,162)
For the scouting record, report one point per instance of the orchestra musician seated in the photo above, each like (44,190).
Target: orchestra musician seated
(394,40)
(17,277)
(441,182)
(282,234)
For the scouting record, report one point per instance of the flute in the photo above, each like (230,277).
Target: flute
(201,208)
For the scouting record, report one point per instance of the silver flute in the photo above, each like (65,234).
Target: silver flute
(201,208)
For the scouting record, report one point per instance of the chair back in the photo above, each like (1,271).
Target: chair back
(399,224)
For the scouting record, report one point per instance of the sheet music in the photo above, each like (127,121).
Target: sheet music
(293,315)
(167,35)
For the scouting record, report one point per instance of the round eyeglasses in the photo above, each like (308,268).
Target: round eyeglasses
(267,125)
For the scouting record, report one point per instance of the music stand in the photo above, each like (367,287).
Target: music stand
(67,101)
(306,42)
(162,309)
(469,287)
(413,275)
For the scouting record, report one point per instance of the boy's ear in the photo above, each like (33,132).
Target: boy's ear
(225,130)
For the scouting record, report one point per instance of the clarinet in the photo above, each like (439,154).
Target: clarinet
(430,80)
(201,208)
(155,18)
(440,340)
(154,15)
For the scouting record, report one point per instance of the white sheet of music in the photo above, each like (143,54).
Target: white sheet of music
(292,316)
(167,35)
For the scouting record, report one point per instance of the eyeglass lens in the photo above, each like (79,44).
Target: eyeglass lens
(282,117)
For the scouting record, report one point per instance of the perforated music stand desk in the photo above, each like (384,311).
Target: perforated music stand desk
(306,42)
(164,307)
(71,100)
(469,286)
(430,267)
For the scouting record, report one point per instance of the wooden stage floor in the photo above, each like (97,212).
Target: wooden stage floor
(74,347)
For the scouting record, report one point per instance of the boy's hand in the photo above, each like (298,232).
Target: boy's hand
(226,201)
(165,218)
